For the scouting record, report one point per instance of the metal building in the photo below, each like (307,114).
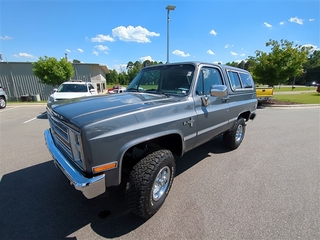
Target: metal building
(18,80)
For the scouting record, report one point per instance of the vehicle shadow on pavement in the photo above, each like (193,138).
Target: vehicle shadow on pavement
(196,155)
(43,116)
(38,203)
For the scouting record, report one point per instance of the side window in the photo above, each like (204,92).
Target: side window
(90,87)
(234,79)
(207,78)
(246,80)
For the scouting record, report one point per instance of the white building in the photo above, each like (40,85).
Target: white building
(18,80)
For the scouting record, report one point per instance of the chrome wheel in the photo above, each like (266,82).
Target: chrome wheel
(233,138)
(149,182)
(160,184)
(239,133)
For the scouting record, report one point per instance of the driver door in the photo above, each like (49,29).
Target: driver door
(212,111)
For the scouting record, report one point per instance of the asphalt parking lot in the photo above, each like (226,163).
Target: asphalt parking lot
(266,189)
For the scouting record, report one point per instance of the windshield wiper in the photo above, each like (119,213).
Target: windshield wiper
(166,94)
(133,90)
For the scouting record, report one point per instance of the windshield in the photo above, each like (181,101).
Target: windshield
(72,88)
(164,79)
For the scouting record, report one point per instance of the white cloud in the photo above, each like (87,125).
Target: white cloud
(67,50)
(267,25)
(311,19)
(101,48)
(80,50)
(94,52)
(180,53)
(296,20)
(213,32)
(281,23)
(102,38)
(313,47)
(239,60)
(26,55)
(242,54)
(119,67)
(234,54)
(227,46)
(133,34)
(142,59)
(5,38)
(210,52)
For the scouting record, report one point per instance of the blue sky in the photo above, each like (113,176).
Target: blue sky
(115,32)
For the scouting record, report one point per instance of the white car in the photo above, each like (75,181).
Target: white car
(3,98)
(117,89)
(72,89)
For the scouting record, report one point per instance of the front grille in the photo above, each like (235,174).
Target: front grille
(67,140)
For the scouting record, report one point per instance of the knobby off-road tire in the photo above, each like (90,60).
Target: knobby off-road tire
(149,183)
(232,139)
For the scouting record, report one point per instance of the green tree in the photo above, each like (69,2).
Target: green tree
(112,77)
(123,78)
(249,63)
(232,64)
(51,71)
(133,69)
(284,61)
(312,68)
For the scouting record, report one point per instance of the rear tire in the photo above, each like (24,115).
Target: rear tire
(150,182)
(233,138)
(3,102)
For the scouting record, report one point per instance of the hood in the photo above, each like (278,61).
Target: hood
(83,111)
(68,95)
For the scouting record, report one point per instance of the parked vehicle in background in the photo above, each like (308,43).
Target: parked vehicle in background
(311,84)
(264,93)
(72,89)
(318,89)
(3,98)
(117,89)
(134,137)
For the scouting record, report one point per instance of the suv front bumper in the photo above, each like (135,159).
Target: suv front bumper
(90,187)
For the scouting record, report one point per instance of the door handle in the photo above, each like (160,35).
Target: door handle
(226,99)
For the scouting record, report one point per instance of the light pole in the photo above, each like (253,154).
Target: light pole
(169,7)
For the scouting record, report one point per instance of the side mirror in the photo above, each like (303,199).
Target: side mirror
(55,89)
(218,91)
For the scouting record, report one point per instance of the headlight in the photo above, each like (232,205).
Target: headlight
(50,99)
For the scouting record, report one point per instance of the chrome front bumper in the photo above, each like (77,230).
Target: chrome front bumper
(90,187)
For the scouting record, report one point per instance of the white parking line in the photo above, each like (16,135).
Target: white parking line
(7,109)
(30,120)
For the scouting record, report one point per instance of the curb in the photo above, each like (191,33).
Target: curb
(290,105)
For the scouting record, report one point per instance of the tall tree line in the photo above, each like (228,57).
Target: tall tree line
(286,63)
(132,69)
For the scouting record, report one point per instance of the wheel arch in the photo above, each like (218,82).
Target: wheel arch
(245,115)
(170,140)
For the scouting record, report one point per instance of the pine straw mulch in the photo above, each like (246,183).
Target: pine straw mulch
(272,102)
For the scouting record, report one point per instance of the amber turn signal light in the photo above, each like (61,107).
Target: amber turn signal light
(104,167)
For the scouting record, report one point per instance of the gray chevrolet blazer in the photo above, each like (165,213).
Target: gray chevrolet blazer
(135,136)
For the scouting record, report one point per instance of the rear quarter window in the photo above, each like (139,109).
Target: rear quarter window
(246,80)
(240,80)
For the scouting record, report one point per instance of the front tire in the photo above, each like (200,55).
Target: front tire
(150,182)
(233,138)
